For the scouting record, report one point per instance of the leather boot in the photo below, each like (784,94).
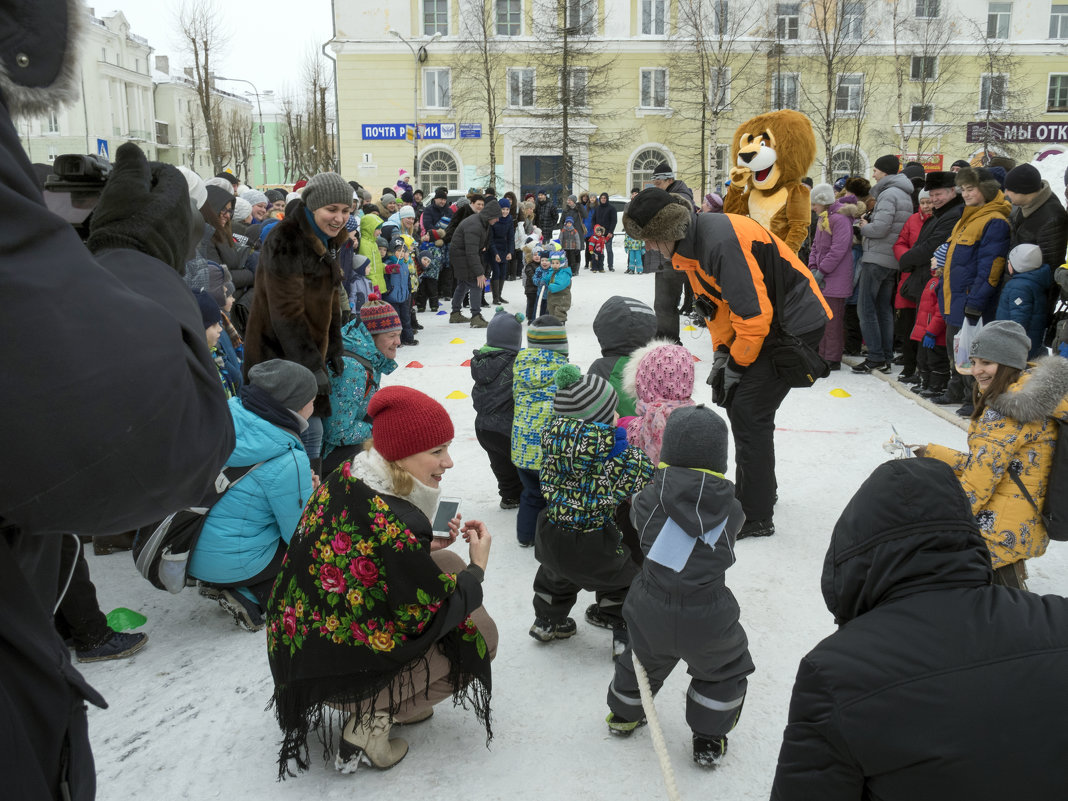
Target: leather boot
(495,287)
(366,740)
(500,289)
(458,317)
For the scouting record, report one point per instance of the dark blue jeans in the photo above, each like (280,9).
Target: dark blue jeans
(531,503)
(876,310)
(404,311)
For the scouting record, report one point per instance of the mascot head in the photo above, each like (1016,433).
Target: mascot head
(778,148)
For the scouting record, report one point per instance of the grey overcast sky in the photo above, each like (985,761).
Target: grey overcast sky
(268,38)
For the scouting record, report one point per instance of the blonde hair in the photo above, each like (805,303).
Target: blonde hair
(402,481)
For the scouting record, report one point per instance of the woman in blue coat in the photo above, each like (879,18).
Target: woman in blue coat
(246,534)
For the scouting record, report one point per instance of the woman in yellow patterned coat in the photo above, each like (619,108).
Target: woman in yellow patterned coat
(1011,430)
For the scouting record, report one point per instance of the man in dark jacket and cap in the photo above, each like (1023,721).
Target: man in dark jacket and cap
(734,266)
(1037,217)
(84,450)
(670,286)
(947,207)
(468,268)
(937,684)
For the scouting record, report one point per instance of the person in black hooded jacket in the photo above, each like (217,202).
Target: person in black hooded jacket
(947,207)
(937,685)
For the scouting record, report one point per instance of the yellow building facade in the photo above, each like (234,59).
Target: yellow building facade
(935,79)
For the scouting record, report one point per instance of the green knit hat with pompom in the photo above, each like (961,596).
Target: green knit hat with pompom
(585,397)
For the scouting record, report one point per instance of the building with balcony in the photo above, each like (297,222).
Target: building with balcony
(670,80)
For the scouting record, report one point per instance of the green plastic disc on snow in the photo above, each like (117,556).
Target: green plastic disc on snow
(123,619)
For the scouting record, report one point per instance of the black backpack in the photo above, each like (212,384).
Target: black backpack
(161,551)
(1055,510)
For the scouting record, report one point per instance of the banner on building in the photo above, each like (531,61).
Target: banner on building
(408,131)
(932,162)
(470,130)
(1054,132)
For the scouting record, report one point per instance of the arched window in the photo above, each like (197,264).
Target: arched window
(845,162)
(438,168)
(644,165)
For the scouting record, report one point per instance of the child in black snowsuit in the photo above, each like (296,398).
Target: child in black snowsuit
(679,606)
(491,369)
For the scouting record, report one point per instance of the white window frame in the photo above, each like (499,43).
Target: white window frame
(652,72)
(435,25)
(427,98)
(517,13)
(928,9)
(922,61)
(853,13)
(719,82)
(652,7)
(857,95)
(52,122)
(1050,108)
(662,153)
(776,89)
(533,86)
(1004,92)
(453,182)
(1058,21)
(912,113)
(1000,19)
(587,12)
(721,19)
(858,160)
(782,21)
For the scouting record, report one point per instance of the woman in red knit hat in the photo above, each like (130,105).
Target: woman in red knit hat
(372,621)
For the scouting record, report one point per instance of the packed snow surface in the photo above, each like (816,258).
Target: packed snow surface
(188,717)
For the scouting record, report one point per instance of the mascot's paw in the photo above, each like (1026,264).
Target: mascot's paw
(740,176)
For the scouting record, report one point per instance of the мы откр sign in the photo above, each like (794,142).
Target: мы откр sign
(1018,132)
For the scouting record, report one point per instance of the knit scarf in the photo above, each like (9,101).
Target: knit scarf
(319,233)
(338,635)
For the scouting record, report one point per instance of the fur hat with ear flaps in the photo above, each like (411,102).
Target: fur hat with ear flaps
(657,215)
(982,178)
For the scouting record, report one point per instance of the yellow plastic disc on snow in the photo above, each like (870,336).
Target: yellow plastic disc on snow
(457,395)
(839,393)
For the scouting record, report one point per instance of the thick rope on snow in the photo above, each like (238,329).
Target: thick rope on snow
(654,729)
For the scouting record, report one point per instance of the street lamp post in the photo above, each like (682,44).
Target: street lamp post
(419,55)
(259,113)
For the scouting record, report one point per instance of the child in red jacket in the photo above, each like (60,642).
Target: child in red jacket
(596,245)
(932,362)
(905,309)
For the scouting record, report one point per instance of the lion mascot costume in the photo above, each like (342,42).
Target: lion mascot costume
(771,153)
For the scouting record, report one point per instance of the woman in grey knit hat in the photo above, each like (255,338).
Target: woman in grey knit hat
(1005,471)
(296,311)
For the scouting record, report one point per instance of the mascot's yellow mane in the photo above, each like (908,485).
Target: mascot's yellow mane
(770,154)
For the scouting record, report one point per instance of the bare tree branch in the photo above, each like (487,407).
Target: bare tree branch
(203,35)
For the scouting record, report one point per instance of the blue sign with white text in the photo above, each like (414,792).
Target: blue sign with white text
(399,130)
(470,130)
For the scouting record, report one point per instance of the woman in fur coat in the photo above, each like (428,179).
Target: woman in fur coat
(296,310)
(1010,445)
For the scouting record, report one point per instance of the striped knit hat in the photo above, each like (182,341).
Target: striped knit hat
(589,398)
(547,333)
(378,316)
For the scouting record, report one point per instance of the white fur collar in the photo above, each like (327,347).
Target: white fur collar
(371,469)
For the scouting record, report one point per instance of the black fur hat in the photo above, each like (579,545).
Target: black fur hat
(657,215)
(940,180)
(981,177)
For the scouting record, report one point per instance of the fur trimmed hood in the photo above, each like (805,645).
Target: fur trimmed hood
(1038,393)
(39,45)
(849,206)
(667,223)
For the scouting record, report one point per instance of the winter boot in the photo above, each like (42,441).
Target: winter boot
(478,321)
(500,290)
(620,727)
(458,317)
(756,528)
(545,630)
(366,740)
(595,617)
(246,614)
(495,287)
(923,384)
(708,751)
(118,646)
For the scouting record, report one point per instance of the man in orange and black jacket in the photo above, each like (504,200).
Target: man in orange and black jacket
(732,263)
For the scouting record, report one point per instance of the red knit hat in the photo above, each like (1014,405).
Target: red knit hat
(405,421)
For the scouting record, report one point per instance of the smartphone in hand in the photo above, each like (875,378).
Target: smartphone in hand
(446,511)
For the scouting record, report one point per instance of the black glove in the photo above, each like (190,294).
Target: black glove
(726,383)
(719,361)
(143,207)
(971,315)
(336,365)
(322,382)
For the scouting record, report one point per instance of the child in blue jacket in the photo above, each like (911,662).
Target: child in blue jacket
(1024,296)
(399,294)
(557,280)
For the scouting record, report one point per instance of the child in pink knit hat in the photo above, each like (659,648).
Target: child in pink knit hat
(660,376)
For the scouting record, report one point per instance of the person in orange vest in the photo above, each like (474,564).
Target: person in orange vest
(733,265)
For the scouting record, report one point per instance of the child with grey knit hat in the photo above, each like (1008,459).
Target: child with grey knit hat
(587,470)
(679,606)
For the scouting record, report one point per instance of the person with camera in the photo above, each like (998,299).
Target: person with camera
(372,616)
(83,452)
(753,292)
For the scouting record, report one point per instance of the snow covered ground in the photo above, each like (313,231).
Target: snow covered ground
(188,719)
